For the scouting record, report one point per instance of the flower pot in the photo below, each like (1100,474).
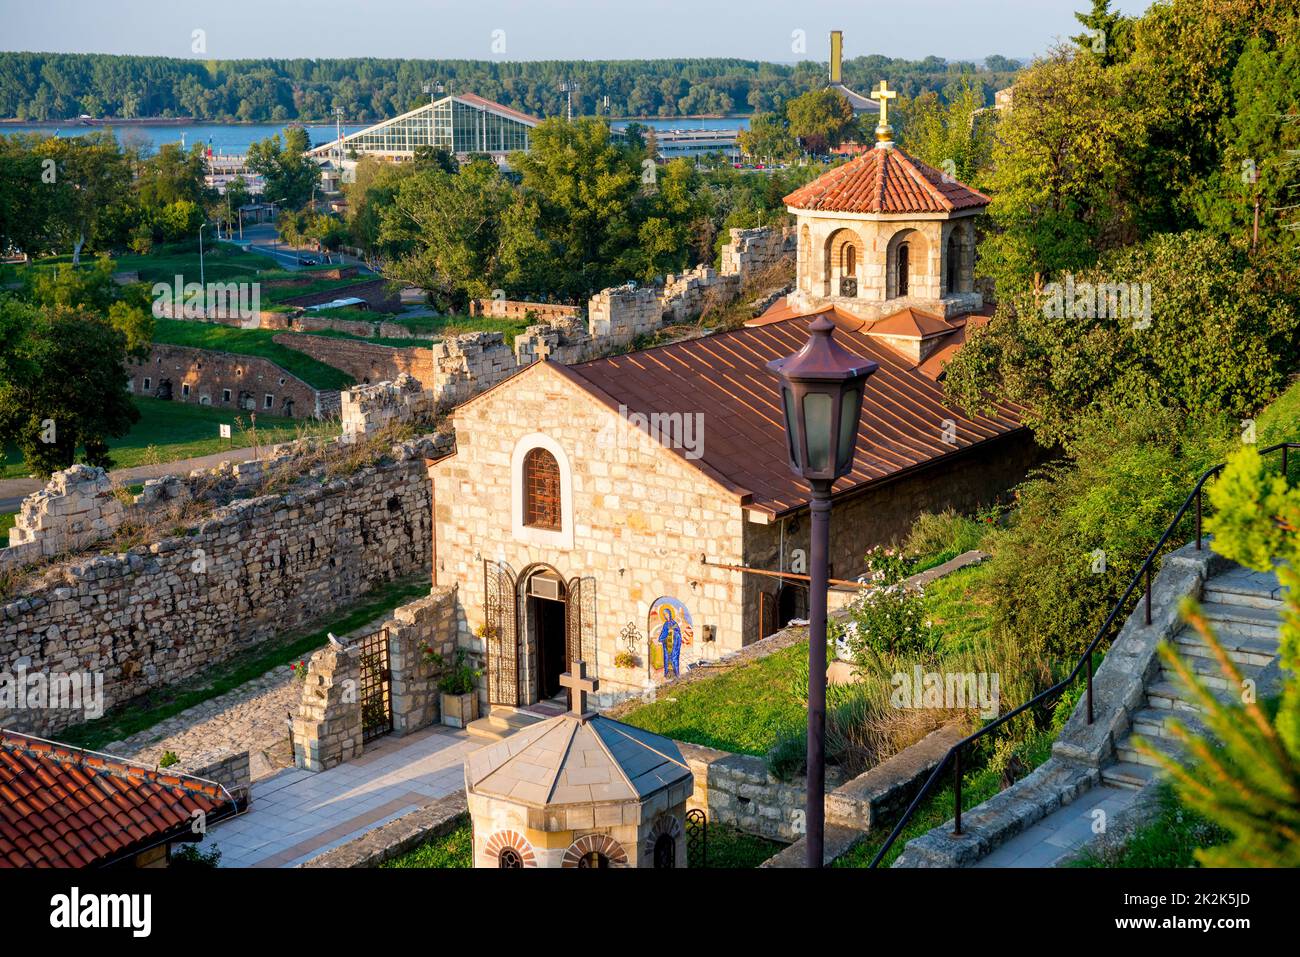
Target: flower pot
(458,710)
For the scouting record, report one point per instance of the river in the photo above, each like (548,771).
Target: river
(235,137)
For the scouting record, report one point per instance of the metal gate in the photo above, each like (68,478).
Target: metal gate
(500,639)
(376,702)
(580,623)
(697,838)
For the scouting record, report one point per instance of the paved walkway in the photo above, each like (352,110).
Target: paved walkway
(296,815)
(1059,836)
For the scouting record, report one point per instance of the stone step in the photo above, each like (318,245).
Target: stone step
(500,723)
(1168,693)
(1243,649)
(1125,775)
(1247,620)
(1153,723)
(1211,674)
(1126,751)
(1262,599)
(1244,586)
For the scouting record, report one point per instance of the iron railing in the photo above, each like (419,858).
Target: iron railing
(1083,665)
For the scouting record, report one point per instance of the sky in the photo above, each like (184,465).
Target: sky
(542,29)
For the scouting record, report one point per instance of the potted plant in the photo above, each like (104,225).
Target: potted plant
(459,687)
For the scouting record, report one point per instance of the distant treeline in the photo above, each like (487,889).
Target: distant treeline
(58,86)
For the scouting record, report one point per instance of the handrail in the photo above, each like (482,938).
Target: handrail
(953,756)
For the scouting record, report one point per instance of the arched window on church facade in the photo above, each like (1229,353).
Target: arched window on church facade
(541,490)
(904,268)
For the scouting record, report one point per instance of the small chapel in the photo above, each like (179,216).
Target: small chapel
(637,513)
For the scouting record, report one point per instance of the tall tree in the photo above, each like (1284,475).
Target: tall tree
(291,176)
(820,119)
(62,385)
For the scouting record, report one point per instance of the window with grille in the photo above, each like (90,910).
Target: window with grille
(541,490)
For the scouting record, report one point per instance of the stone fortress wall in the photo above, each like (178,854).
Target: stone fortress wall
(250,570)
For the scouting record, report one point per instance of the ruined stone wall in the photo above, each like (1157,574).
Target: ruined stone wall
(753,250)
(619,315)
(519,309)
(365,361)
(222,380)
(252,570)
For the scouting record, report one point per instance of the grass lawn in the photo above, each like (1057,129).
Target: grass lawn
(6,522)
(959,618)
(168,431)
(742,710)
(727,848)
(443,326)
(164,703)
(1170,839)
(221,263)
(250,342)
(453,849)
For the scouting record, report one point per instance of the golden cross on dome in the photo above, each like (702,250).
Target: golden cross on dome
(884,94)
(579,685)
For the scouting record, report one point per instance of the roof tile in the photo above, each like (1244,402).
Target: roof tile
(885,181)
(64,807)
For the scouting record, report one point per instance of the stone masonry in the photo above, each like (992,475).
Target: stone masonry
(327,727)
(159,613)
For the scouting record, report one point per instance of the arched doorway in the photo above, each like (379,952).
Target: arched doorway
(544,600)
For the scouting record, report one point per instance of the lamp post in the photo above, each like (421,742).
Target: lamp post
(821,397)
(202,281)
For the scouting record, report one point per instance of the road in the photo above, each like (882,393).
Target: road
(263,238)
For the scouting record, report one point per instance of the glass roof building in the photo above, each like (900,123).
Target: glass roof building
(461,124)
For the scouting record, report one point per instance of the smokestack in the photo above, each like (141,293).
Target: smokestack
(837,52)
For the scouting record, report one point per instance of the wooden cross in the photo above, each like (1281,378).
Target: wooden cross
(579,685)
(884,94)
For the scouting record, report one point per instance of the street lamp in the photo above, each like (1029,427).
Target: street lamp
(202,281)
(821,396)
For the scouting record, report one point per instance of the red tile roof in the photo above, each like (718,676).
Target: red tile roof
(725,377)
(64,807)
(911,323)
(885,181)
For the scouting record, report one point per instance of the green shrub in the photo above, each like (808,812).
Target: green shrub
(189,857)
(944,535)
(1083,527)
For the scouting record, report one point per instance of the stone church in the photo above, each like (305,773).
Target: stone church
(637,512)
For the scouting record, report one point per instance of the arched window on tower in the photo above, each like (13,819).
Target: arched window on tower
(848,270)
(904,268)
(952,264)
(541,490)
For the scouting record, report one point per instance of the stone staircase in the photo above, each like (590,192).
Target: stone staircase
(500,723)
(1046,817)
(1244,609)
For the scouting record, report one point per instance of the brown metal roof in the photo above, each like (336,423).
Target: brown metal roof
(885,181)
(724,376)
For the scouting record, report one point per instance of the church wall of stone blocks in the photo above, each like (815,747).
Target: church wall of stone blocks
(637,519)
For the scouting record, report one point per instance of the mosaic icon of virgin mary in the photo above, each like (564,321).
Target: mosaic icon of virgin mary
(669,629)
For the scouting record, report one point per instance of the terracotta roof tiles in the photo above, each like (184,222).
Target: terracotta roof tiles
(885,181)
(64,807)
